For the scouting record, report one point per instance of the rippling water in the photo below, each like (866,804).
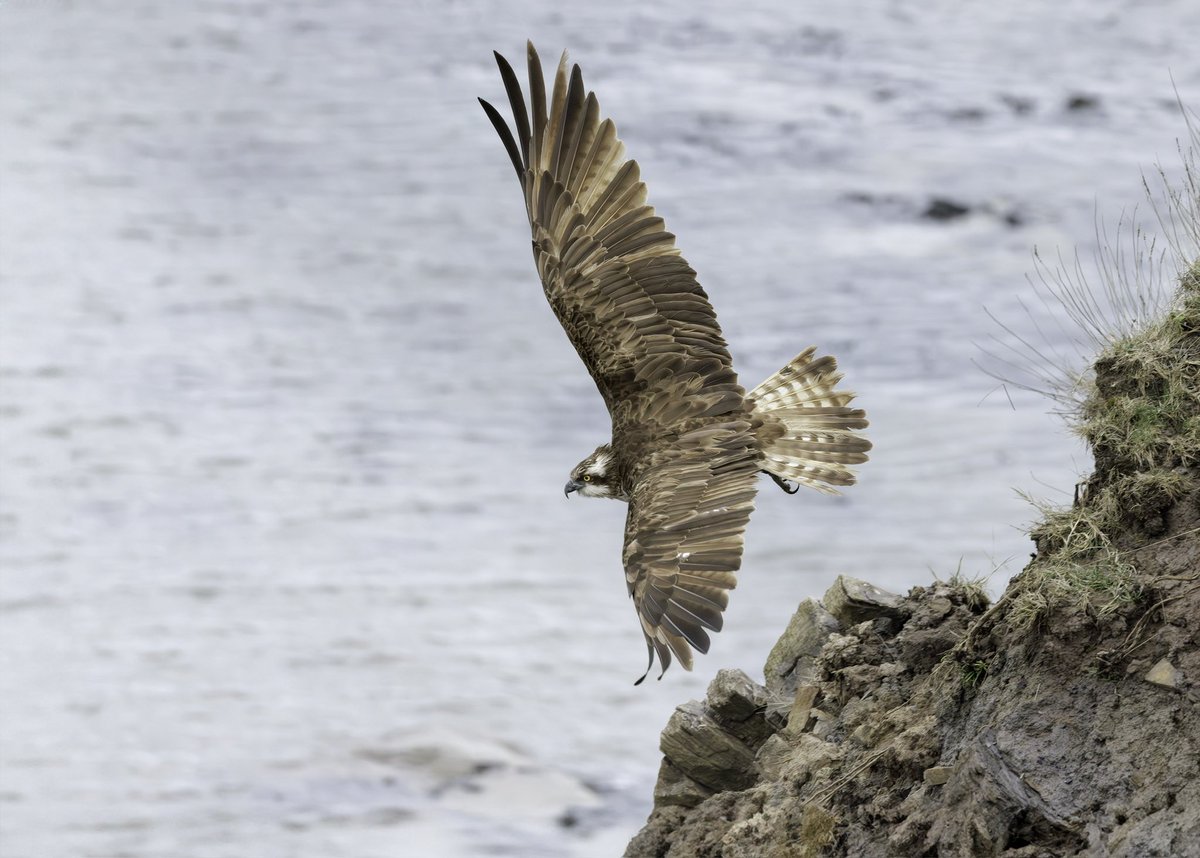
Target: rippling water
(286,566)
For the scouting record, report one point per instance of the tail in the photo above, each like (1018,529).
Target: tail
(808,435)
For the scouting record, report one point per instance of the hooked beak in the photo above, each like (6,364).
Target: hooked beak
(572,486)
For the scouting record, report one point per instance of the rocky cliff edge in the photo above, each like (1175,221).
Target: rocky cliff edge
(1063,720)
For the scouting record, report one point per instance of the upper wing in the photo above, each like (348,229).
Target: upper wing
(683,536)
(614,278)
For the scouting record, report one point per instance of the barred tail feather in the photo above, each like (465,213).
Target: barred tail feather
(809,434)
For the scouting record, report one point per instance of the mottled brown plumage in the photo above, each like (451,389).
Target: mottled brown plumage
(687,441)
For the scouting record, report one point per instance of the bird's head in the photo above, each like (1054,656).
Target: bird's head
(593,476)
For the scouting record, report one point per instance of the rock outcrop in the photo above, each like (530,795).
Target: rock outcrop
(946,734)
(1062,721)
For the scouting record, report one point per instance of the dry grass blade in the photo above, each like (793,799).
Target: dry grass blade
(1084,309)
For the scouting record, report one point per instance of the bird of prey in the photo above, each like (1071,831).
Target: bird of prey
(688,442)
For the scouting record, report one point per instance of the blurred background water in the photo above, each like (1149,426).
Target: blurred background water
(286,569)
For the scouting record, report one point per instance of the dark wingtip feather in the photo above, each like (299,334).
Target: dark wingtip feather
(537,106)
(516,101)
(649,664)
(506,137)
(572,124)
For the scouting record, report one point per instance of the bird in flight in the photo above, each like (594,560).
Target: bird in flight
(688,442)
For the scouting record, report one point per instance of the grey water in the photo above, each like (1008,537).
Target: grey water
(285,567)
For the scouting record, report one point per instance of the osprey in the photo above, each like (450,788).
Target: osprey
(688,442)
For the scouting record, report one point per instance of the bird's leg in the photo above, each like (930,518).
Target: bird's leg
(787,485)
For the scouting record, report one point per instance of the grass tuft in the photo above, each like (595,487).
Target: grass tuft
(1078,563)
(974,672)
(1121,304)
(1143,409)
(972,589)
(1138,408)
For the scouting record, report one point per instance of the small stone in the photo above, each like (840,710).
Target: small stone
(1164,673)
(853,601)
(801,714)
(792,661)
(734,696)
(938,775)
(824,725)
(939,606)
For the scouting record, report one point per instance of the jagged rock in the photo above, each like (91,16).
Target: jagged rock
(701,749)
(860,678)
(660,830)
(793,658)
(853,601)
(824,724)
(772,756)
(674,788)
(797,758)
(809,755)
(877,727)
(740,705)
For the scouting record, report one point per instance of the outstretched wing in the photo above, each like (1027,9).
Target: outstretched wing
(683,536)
(614,278)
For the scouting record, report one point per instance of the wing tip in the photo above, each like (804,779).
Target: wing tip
(502,129)
(649,664)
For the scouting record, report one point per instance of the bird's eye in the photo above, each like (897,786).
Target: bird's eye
(587,478)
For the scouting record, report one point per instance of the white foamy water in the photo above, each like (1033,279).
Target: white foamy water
(286,567)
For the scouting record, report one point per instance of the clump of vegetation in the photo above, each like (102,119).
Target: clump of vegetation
(1143,412)
(974,672)
(1077,564)
(1142,421)
(1138,408)
(973,589)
